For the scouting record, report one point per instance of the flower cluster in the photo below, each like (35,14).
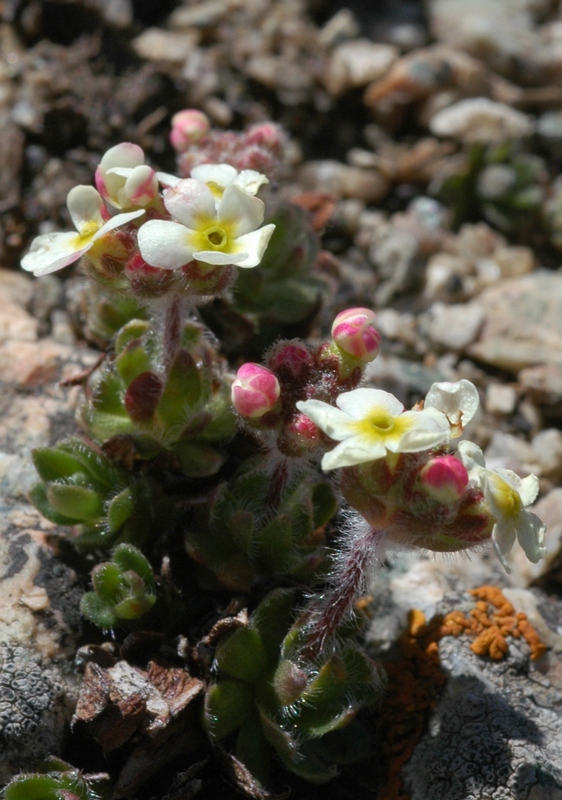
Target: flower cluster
(198,227)
(372,426)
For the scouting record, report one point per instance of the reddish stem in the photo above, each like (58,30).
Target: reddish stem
(346,581)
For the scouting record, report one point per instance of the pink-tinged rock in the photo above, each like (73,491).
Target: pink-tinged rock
(30,364)
(15,322)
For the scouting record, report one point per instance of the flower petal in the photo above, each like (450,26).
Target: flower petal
(458,400)
(250,180)
(472,458)
(527,488)
(167,180)
(360,403)
(240,209)
(530,535)
(141,186)
(53,251)
(254,245)
(125,154)
(164,244)
(221,174)
(116,222)
(189,201)
(503,539)
(217,258)
(335,423)
(85,205)
(427,431)
(353,451)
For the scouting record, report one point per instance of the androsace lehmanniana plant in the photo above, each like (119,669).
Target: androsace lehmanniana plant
(161,455)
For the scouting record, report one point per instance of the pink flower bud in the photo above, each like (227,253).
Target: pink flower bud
(355,335)
(300,437)
(188,127)
(444,478)
(291,359)
(266,134)
(255,391)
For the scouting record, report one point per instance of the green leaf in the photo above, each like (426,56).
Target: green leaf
(97,466)
(241,526)
(324,503)
(228,704)
(107,393)
(98,611)
(75,501)
(198,460)
(134,607)
(38,496)
(272,619)
(129,558)
(182,390)
(120,509)
(242,655)
(32,787)
(52,463)
(107,581)
(253,749)
(132,361)
(134,329)
(273,544)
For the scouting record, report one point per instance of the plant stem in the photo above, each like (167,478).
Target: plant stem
(171,331)
(351,567)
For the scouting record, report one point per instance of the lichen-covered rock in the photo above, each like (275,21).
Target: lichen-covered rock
(34,706)
(496,733)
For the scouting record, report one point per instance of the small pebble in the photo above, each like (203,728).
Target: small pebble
(500,399)
(479,119)
(455,326)
(547,447)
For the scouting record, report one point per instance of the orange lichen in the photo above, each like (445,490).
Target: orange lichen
(491,621)
(413,690)
(414,682)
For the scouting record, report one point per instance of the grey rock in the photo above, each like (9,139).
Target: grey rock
(496,733)
(35,703)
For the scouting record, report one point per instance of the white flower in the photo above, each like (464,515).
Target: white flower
(218,177)
(53,251)
(123,179)
(370,422)
(459,402)
(472,458)
(216,234)
(507,495)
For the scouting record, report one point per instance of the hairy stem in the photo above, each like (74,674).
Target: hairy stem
(171,330)
(346,581)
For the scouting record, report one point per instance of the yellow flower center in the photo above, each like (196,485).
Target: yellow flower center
(507,498)
(213,235)
(216,237)
(379,425)
(216,190)
(85,234)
